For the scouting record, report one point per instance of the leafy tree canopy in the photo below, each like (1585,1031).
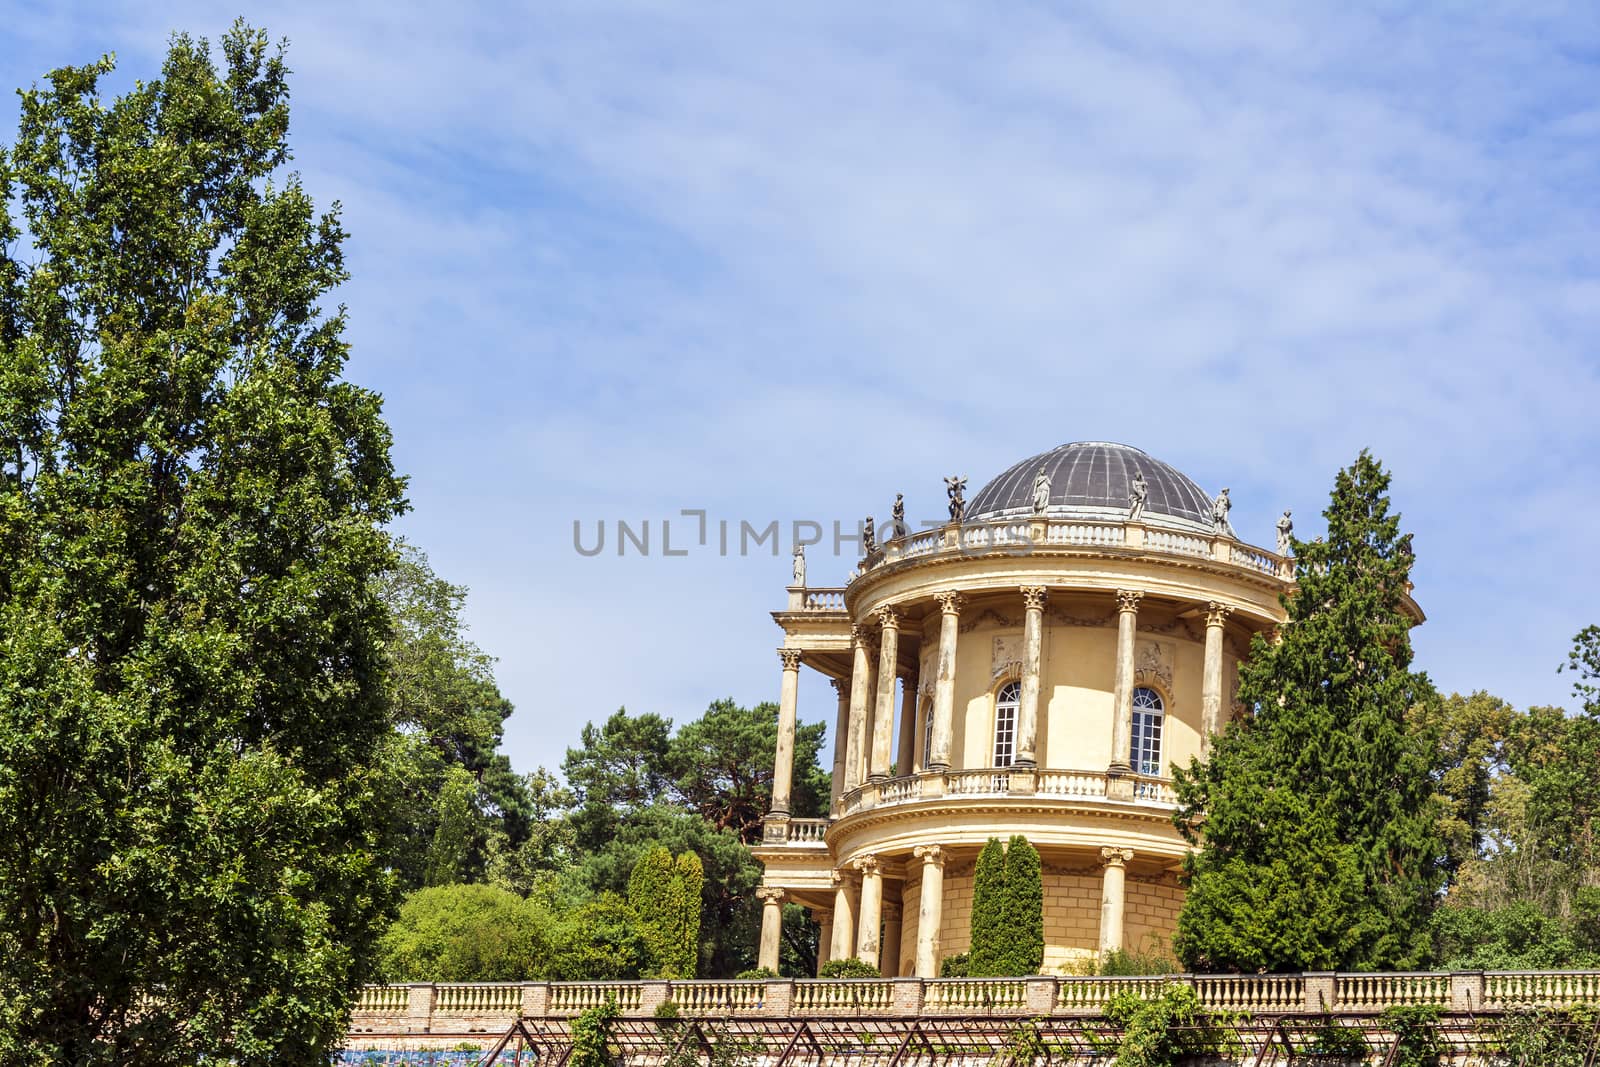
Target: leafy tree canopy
(196,785)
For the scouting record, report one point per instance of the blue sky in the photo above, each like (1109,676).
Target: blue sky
(783,261)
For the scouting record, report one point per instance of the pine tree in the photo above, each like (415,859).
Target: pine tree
(1315,814)
(990,937)
(1024,919)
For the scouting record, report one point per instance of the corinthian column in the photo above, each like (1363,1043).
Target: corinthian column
(907,754)
(841,744)
(883,716)
(1122,724)
(859,682)
(869,921)
(1112,896)
(844,915)
(771,926)
(1028,709)
(930,912)
(944,686)
(788,697)
(1211,678)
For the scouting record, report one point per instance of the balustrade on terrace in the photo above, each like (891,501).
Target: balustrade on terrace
(487,1007)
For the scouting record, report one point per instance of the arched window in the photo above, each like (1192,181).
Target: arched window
(1005,723)
(927,733)
(1148,713)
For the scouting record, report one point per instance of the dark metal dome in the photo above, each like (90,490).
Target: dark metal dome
(1092,477)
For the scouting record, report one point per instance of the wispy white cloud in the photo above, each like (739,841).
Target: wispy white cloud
(786,261)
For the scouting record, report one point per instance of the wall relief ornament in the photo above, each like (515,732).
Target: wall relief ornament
(986,617)
(1152,662)
(1066,618)
(1005,656)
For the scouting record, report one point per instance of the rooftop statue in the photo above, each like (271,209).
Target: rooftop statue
(1136,494)
(800,565)
(869,537)
(1285,533)
(1219,513)
(953,486)
(1041,491)
(898,516)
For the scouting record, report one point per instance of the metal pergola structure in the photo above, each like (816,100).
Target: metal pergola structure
(1011,1041)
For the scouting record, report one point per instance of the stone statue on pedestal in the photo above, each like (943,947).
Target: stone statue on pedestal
(1137,491)
(1041,491)
(898,516)
(800,565)
(1219,513)
(869,537)
(953,486)
(1285,533)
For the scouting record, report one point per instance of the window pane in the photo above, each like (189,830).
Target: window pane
(1005,724)
(1148,718)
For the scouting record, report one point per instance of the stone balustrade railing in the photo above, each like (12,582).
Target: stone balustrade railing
(1027,535)
(491,1008)
(986,782)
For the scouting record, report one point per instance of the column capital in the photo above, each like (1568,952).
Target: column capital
(930,855)
(770,894)
(842,878)
(1033,597)
(888,618)
(1116,857)
(867,865)
(891,910)
(950,602)
(860,634)
(1128,599)
(841,686)
(790,657)
(1217,612)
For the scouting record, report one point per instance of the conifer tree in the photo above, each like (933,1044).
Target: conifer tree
(1024,920)
(987,954)
(665,896)
(1315,813)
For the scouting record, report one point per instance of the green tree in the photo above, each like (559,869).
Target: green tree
(457,829)
(1470,734)
(1024,912)
(1321,795)
(451,714)
(987,957)
(466,933)
(664,893)
(722,767)
(195,780)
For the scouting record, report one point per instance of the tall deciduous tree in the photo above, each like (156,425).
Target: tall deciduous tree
(1315,815)
(192,681)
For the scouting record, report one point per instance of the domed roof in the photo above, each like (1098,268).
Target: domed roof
(1092,478)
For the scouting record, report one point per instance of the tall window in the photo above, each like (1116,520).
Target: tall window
(927,734)
(1148,713)
(1005,724)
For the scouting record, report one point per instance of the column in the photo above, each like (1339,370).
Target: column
(1112,897)
(869,917)
(841,744)
(824,938)
(859,681)
(1122,724)
(906,758)
(844,915)
(883,715)
(771,926)
(788,697)
(1211,679)
(930,909)
(1032,645)
(889,958)
(944,686)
